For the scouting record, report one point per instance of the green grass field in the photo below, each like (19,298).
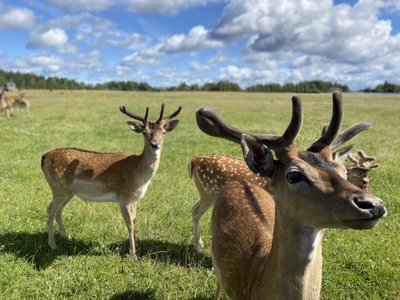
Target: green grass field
(95,263)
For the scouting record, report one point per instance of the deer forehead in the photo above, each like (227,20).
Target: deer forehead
(319,161)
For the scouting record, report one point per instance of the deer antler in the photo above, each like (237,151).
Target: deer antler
(365,161)
(211,123)
(330,134)
(171,116)
(136,117)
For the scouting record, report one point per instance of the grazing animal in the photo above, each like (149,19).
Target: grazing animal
(22,103)
(268,244)
(6,103)
(211,172)
(118,177)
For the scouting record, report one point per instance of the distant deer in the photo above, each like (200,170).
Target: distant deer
(6,103)
(268,244)
(211,172)
(118,177)
(358,172)
(21,102)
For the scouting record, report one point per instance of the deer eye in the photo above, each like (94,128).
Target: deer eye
(294,177)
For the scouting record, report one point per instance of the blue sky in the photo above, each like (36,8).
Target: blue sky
(196,41)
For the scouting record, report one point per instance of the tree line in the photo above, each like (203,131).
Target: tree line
(33,81)
(386,87)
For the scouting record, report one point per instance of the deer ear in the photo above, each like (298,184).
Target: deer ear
(171,125)
(136,127)
(257,156)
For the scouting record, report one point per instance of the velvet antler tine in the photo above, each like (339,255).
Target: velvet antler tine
(173,115)
(353,159)
(364,157)
(134,116)
(349,133)
(146,116)
(288,137)
(334,126)
(211,123)
(161,113)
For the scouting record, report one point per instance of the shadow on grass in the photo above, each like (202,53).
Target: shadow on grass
(33,247)
(132,295)
(162,251)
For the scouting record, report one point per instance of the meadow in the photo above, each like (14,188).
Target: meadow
(95,263)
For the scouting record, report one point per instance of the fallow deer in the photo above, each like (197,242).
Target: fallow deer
(118,177)
(211,172)
(6,103)
(358,171)
(268,244)
(22,103)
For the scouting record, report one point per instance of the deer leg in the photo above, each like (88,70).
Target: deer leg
(57,203)
(59,220)
(198,210)
(128,211)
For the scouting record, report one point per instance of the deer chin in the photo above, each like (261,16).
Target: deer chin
(361,223)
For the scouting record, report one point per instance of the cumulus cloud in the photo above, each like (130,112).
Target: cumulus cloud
(208,64)
(351,34)
(53,37)
(42,63)
(86,5)
(170,7)
(197,39)
(15,18)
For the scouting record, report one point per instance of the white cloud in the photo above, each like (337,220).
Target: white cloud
(42,63)
(53,37)
(15,18)
(170,7)
(86,5)
(208,64)
(118,39)
(235,73)
(149,57)
(197,39)
(338,32)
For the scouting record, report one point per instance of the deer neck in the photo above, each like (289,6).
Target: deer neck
(149,160)
(294,268)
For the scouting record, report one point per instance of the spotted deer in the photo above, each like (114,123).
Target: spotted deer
(211,172)
(269,244)
(6,103)
(21,102)
(358,171)
(117,177)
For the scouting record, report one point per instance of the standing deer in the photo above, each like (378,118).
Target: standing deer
(6,103)
(211,172)
(358,172)
(268,244)
(21,102)
(118,177)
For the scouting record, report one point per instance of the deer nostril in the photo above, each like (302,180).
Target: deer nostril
(155,145)
(363,204)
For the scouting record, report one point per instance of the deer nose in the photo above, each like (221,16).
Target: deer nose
(376,207)
(155,144)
